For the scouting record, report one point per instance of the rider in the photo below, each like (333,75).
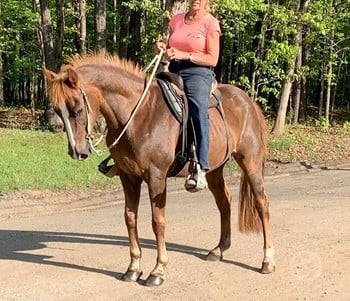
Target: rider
(193,49)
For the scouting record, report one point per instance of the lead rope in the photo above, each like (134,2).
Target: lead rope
(157,60)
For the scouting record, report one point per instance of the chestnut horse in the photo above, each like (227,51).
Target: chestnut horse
(97,83)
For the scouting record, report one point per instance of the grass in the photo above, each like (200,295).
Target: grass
(312,144)
(39,160)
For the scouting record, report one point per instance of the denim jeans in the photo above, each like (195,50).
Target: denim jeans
(197,82)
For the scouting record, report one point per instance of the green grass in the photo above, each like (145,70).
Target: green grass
(39,160)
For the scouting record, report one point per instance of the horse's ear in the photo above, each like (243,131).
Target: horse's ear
(49,75)
(72,78)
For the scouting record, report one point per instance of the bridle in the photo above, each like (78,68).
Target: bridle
(88,126)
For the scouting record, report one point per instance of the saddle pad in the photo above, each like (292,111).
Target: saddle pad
(175,98)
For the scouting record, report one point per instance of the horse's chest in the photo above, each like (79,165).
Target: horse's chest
(128,161)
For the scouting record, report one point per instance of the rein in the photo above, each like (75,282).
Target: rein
(156,60)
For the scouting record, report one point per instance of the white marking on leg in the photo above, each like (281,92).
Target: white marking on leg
(269,253)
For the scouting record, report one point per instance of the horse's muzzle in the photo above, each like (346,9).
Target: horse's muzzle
(78,153)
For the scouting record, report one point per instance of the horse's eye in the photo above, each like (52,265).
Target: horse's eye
(78,112)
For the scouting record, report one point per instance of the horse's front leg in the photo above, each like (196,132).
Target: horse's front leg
(132,189)
(157,193)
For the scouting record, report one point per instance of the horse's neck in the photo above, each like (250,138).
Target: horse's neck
(108,114)
(119,104)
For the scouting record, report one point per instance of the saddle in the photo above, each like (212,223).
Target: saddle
(173,93)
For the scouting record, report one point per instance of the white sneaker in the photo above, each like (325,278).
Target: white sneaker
(196,181)
(201,180)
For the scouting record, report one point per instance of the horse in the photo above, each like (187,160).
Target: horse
(101,83)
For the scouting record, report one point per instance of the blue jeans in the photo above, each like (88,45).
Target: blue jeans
(197,82)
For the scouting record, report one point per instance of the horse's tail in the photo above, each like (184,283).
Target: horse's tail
(248,218)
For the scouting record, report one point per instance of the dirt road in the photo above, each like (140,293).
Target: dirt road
(64,248)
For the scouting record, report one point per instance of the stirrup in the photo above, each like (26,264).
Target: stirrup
(108,170)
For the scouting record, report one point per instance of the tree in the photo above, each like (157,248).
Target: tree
(287,82)
(100,7)
(49,57)
(272,49)
(2,102)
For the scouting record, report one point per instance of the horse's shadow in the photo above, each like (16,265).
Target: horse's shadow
(15,244)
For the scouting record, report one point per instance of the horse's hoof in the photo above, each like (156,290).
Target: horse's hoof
(213,257)
(154,280)
(132,276)
(268,267)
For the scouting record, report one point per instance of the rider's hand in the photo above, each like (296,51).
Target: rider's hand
(158,46)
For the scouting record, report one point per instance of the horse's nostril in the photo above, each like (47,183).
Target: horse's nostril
(83,156)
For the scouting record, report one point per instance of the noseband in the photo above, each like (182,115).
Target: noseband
(88,126)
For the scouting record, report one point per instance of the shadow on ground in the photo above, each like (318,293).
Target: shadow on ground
(15,245)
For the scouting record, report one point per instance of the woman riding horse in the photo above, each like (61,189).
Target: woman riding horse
(100,83)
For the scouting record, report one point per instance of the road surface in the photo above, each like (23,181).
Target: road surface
(59,247)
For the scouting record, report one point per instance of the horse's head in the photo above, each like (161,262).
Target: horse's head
(71,103)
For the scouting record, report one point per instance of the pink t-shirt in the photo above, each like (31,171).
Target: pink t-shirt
(192,38)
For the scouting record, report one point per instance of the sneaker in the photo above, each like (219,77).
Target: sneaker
(201,180)
(196,181)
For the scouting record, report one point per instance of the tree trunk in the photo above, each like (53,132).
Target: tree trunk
(328,90)
(80,25)
(49,58)
(2,100)
(115,27)
(304,101)
(60,31)
(284,98)
(33,92)
(287,83)
(259,42)
(321,95)
(124,32)
(296,98)
(135,44)
(100,7)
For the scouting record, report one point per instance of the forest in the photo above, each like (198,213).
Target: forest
(291,56)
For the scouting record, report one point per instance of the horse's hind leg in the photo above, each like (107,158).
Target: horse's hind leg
(255,206)
(223,200)
(132,189)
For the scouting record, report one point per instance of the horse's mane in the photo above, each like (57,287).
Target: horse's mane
(105,58)
(59,92)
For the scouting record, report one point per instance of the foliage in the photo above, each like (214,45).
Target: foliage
(18,40)
(257,43)
(322,124)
